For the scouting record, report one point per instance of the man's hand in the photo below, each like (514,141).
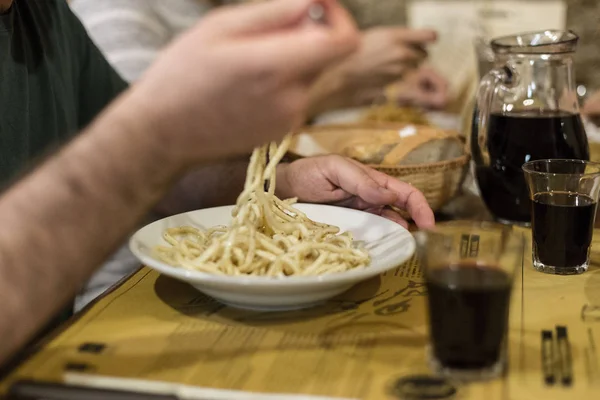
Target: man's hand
(240,78)
(237,80)
(340,181)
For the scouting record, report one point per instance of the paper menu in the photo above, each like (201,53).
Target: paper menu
(460,22)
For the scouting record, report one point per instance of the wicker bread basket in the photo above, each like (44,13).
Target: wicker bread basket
(439,181)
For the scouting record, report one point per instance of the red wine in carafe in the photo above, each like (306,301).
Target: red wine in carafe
(515,139)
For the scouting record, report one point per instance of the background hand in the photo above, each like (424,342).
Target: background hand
(340,181)
(385,55)
(422,88)
(592,105)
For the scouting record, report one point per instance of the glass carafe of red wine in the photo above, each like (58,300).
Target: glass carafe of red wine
(527,109)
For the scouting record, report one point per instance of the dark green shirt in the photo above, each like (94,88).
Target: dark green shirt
(53,81)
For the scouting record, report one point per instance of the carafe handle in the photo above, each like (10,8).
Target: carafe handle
(490,84)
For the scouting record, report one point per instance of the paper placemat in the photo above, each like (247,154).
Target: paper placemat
(157,334)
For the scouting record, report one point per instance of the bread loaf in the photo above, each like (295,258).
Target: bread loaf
(411,145)
(370,148)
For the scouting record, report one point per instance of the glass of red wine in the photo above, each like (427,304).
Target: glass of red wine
(469,269)
(564,194)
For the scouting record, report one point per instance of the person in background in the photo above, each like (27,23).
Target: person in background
(132,33)
(582,18)
(206,101)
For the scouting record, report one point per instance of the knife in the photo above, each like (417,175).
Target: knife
(37,390)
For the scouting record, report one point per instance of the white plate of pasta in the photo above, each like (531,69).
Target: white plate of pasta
(271,254)
(388,245)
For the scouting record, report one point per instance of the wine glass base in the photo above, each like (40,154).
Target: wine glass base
(465,375)
(517,223)
(551,269)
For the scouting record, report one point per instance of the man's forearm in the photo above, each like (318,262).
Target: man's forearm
(61,221)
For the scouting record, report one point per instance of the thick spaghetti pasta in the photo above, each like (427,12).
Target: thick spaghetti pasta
(267,236)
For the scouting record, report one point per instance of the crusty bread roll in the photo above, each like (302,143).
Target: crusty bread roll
(411,145)
(370,148)
(369,152)
(430,151)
